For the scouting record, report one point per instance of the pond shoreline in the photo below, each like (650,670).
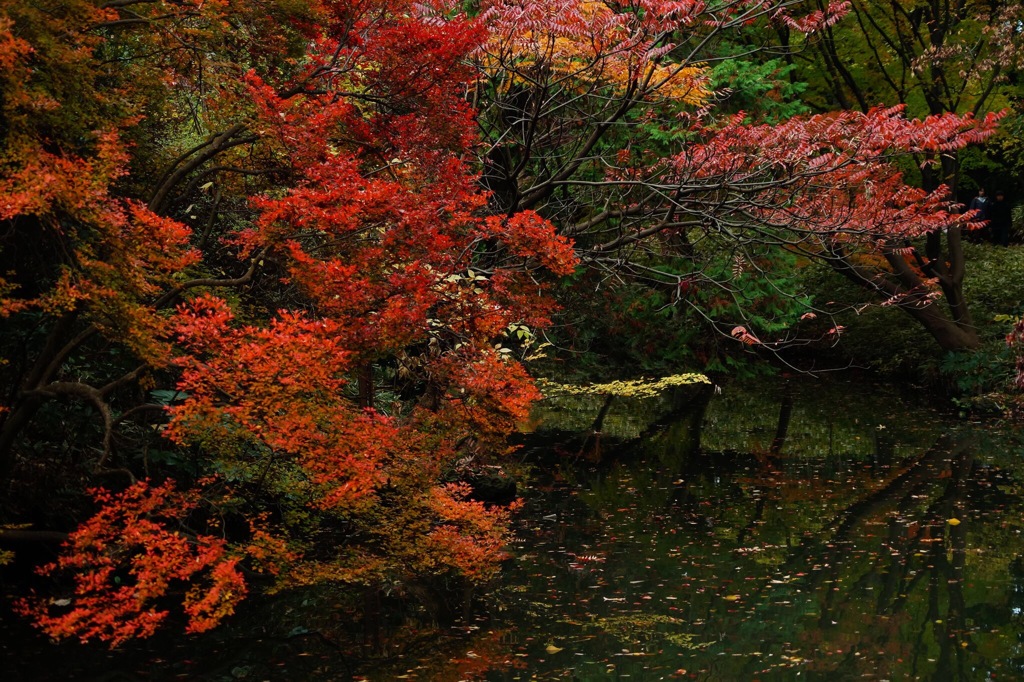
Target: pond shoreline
(781,503)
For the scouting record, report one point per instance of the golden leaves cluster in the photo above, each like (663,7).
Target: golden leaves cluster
(630,388)
(584,46)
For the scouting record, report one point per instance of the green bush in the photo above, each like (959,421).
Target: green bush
(994,285)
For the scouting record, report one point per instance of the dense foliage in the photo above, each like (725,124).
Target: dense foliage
(268,264)
(231,276)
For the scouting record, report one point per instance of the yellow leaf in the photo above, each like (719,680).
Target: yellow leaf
(552,649)
(953,522)
(731,597)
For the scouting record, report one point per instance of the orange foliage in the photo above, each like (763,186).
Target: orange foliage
(361,239)
(582,45)
(124,559)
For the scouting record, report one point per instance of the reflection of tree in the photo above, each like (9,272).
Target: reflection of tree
(911,578)
(680,411)
(675,435)
(845,565)
(785,415)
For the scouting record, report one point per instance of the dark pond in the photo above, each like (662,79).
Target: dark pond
(797,530)
(802,530)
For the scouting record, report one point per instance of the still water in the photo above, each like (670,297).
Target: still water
(802,530)
(779,530)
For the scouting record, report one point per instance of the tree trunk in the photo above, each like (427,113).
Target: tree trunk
(364,382)
(953,330)
(947,333)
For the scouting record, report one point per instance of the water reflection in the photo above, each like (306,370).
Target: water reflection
(779,531)
(775,535)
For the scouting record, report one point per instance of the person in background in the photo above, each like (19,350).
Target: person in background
(981,204)
(1000,219)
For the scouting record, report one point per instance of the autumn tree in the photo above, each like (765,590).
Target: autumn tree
(601,119)
(225,224)
(933,58)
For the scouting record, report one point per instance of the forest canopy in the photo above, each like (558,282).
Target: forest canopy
(271,270)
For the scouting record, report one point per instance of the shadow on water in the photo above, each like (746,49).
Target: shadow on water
(779,531)
(800,532)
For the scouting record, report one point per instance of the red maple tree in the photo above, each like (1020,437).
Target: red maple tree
(599,117)
(367,238)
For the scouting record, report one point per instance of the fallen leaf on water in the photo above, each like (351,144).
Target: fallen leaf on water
(552,649)
(953,522)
